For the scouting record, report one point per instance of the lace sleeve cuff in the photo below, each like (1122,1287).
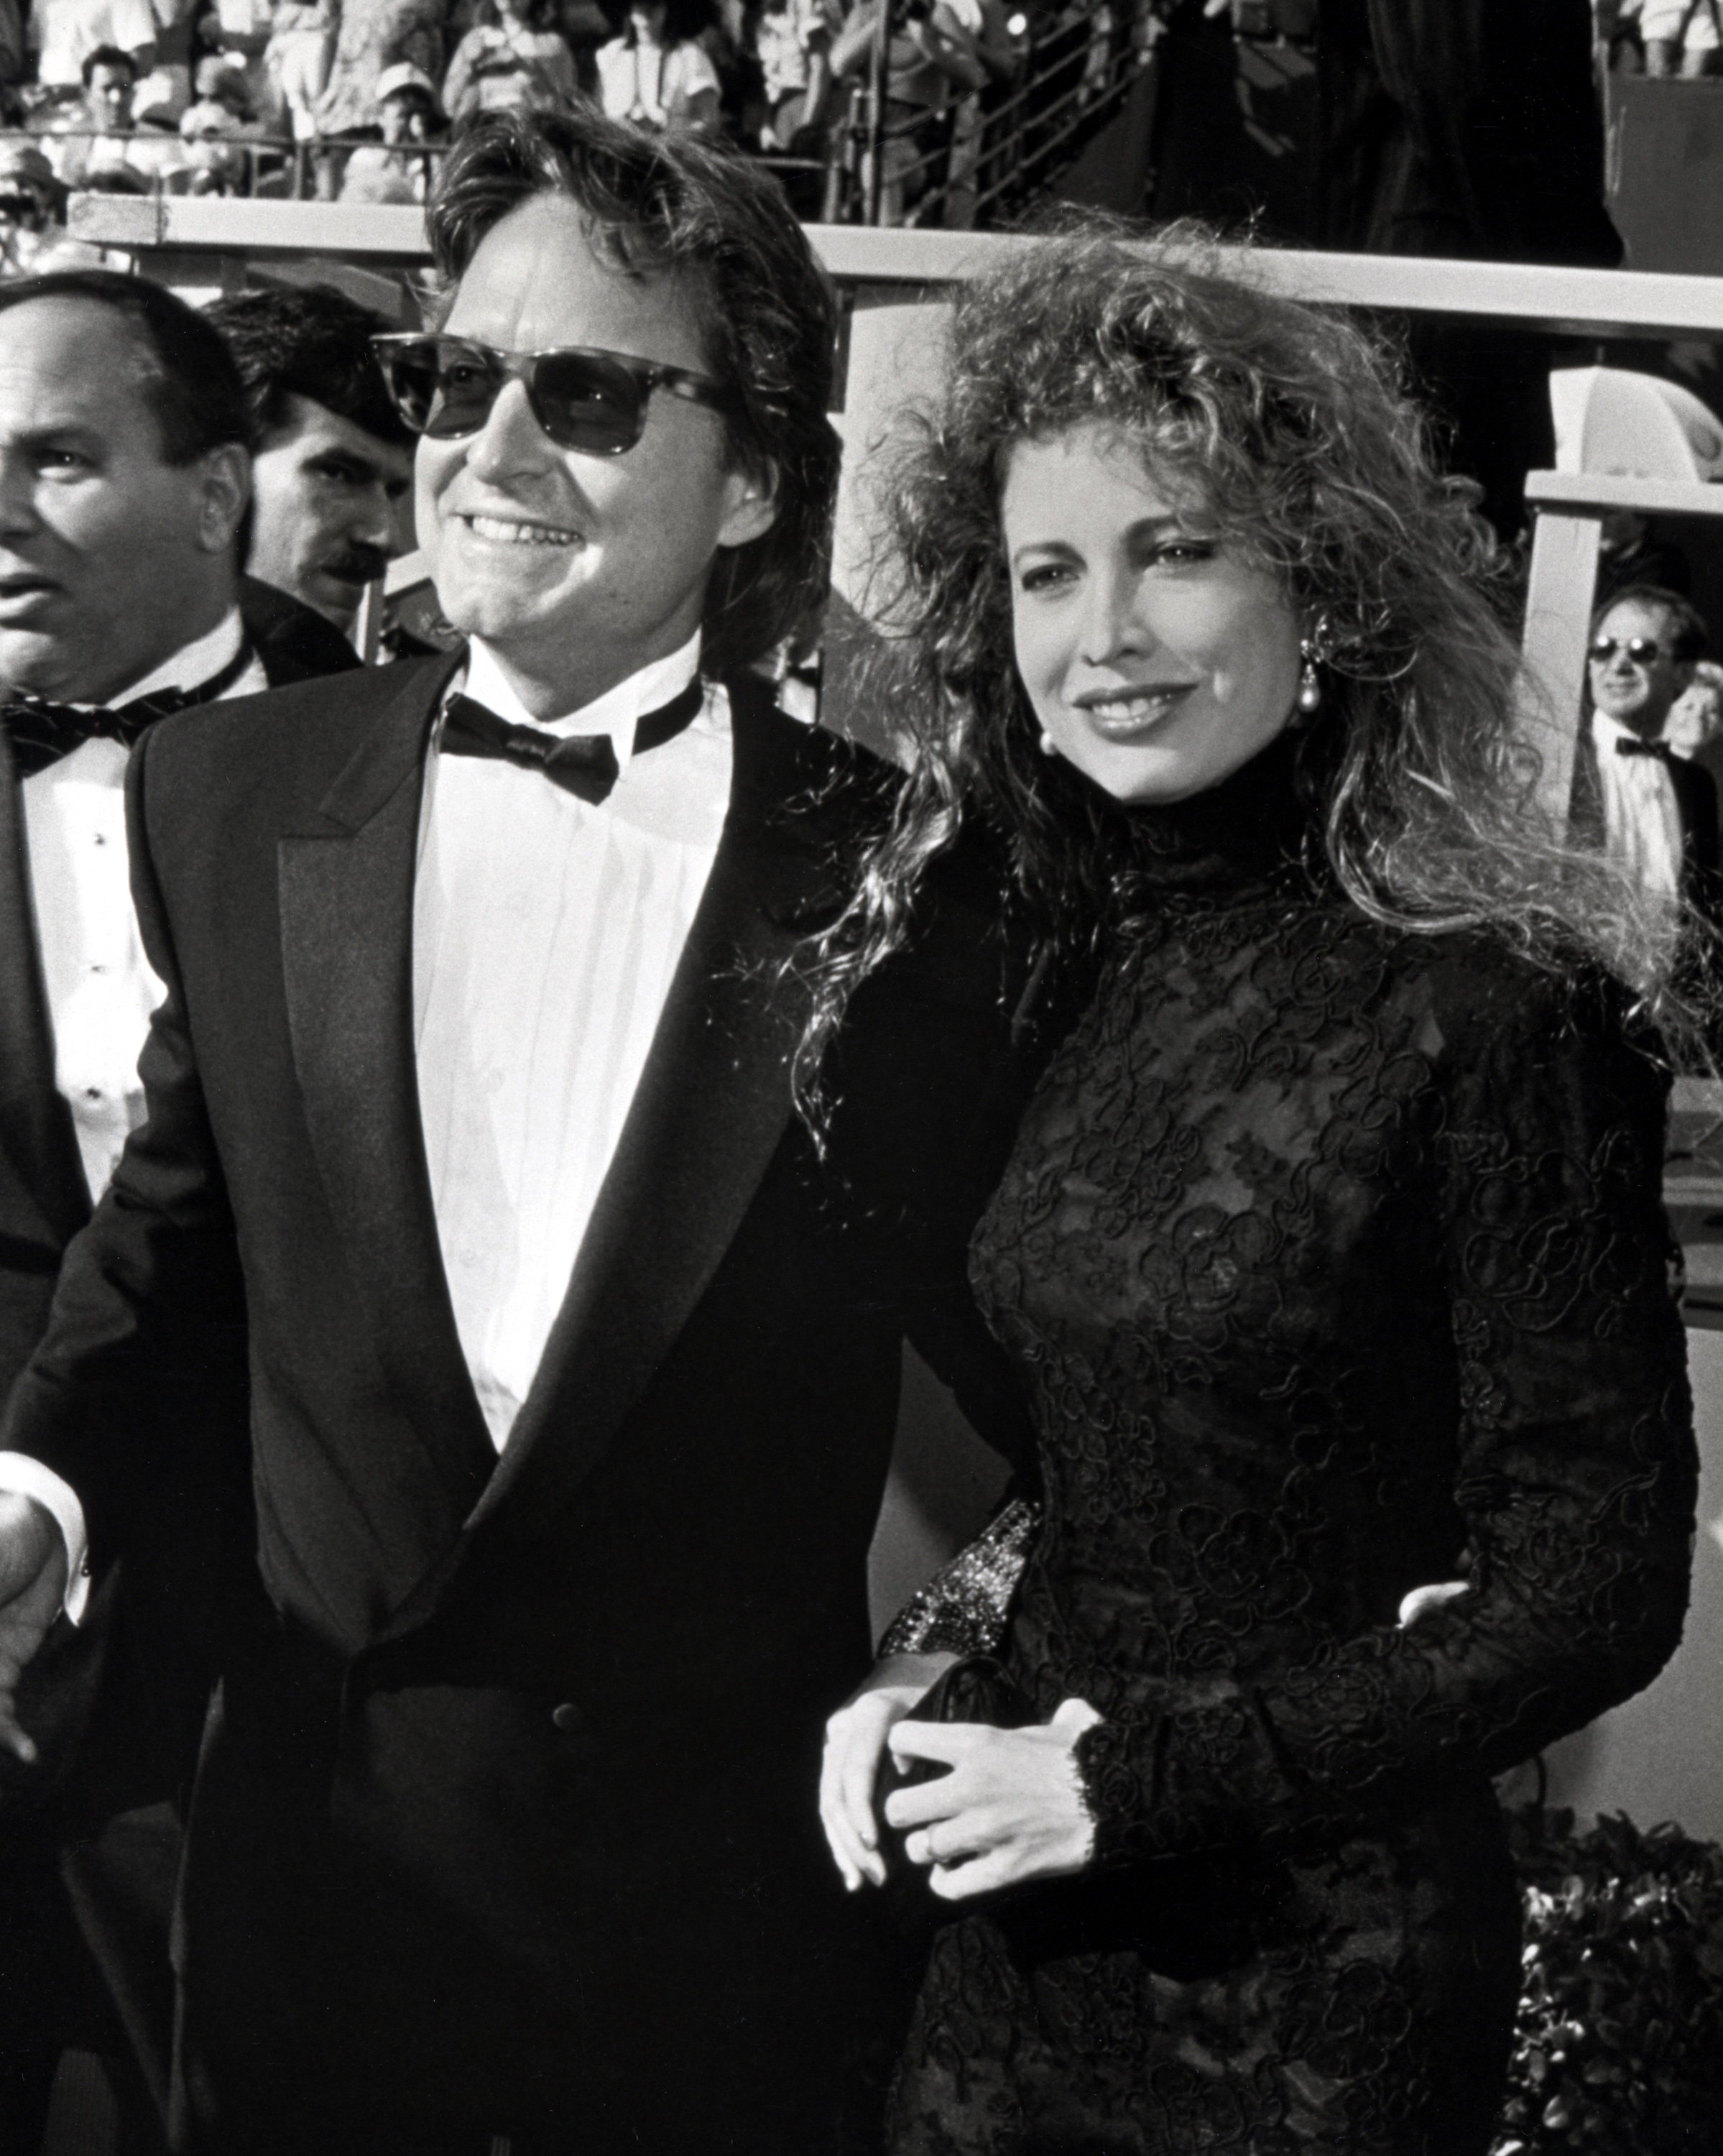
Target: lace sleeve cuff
(961,1610)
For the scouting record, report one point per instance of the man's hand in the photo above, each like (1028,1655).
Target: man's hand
(32,1587)
(1011,1808)
(855,1744)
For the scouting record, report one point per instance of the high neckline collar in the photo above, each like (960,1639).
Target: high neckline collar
(1252,824)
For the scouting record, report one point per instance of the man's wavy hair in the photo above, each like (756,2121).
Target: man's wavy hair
(1289,429)
(668,205)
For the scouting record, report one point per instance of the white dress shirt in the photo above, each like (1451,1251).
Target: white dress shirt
(100,987)
(546,933)
(1642,819)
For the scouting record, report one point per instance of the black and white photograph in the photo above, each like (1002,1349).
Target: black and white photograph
(861,1078)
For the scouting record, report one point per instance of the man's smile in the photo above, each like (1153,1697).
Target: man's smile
(509,532)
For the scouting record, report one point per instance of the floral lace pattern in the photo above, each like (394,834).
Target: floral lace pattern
(1334,1260)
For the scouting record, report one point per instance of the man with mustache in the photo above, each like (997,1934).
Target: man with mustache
(334,462)
(574,1352)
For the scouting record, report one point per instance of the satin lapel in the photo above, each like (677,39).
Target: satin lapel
(712,1105)
(346,940)
(36,1128)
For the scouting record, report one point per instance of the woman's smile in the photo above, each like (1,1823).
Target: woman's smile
(1157,658)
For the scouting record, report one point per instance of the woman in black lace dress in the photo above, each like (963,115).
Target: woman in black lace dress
(1330,1257)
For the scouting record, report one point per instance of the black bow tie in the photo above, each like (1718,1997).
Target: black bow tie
(42,732)
(1631,745)
(581,763)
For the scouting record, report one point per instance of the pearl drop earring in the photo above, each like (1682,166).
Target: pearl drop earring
(1047,745)
(1312,651)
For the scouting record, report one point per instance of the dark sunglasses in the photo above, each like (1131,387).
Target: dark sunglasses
(591,401)
(1642,651)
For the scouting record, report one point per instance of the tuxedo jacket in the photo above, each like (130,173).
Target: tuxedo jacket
(509,1810)
(116,1706)
(154,1659)
(44,1199)
(1696,803)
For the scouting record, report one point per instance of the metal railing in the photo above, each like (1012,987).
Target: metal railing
(250,165)
(973,162)
(981,156)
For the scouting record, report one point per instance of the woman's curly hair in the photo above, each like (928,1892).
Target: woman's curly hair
(1290,430)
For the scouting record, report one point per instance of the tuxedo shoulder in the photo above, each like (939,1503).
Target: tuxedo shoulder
(287,745)
(822,778)
(1489,1000)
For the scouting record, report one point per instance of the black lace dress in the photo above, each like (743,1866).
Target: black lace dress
(1334,1261)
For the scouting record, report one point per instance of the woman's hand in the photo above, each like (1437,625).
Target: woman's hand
(1011,1808)
(855,1744)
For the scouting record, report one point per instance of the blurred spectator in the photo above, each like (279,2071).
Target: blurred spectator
(396,170)
(1679,37)
(166,91)
(929,53)
(103,121)
(212,156)
(585,27)
(1655,814)
(515,59)
(372,35)
(101,134)
(219,81)
(793,40)
(1695,720)
(297,59)
(32,200)
(1695,726)
(998,49)
(657,72)
(334,464)
(237,33)
(67,31)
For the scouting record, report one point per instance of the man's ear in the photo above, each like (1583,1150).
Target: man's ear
(224,489)
(750,506)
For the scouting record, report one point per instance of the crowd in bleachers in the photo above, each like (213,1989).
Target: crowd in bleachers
(354,99)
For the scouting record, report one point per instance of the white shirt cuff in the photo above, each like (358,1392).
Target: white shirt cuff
(22,1477)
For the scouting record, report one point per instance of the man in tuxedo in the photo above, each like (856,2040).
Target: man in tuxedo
(333,460)
(574,1353)
(1655,812)
(124,478)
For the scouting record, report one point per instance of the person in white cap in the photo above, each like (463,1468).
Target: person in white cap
(31,200)
(398,169)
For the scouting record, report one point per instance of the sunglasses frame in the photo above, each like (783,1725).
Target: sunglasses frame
(646,375)
(1642,650)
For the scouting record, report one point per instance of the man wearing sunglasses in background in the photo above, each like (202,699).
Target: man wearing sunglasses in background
(1653,811)
(574,1357)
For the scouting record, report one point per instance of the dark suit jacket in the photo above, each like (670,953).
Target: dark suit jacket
(294,642)
(117,1704)
(509,1812)
(44,1202)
